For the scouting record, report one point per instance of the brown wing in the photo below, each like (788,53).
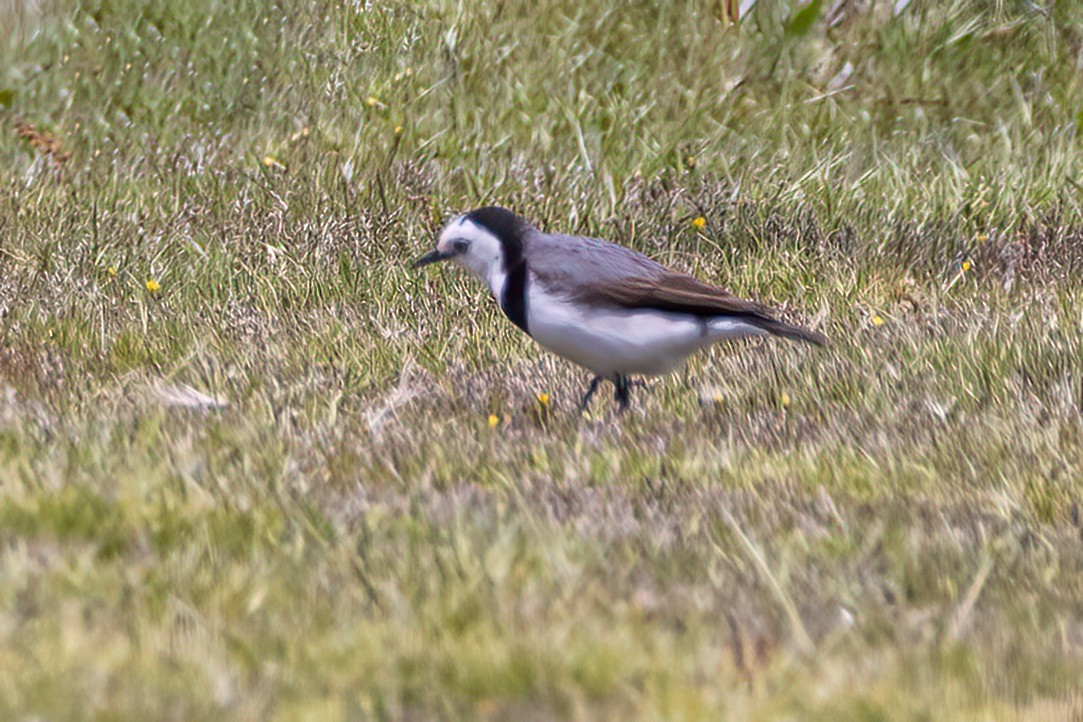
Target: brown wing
(678,293)
(614,275)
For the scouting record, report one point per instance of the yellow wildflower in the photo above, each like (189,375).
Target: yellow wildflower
(372,101)
(398,129)
(493,421)
(271,162)
(877,320)
(966,264)
(690,161)
(112,271)
(153,286)
(543,399)
(785,399)
(983,237)
(699,222)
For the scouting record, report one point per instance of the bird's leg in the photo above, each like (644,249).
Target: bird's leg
(590,392)
(623,395)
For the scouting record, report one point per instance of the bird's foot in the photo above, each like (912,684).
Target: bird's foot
(623,393)
(590,392)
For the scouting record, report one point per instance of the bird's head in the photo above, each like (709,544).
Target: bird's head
(488,242)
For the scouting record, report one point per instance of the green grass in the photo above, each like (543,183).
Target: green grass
(886,530)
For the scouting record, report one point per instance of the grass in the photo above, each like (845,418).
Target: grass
(269,488)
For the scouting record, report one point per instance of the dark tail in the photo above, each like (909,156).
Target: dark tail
(794,333)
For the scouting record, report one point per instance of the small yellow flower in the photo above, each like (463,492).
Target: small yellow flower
(372,101)
(493,421)
(982,237)
(877,320)
(699,222)
(785,399)
(271,162)
(398,129)
(966,264)
(543,399)
(153,286)
(112,271)
(690,161)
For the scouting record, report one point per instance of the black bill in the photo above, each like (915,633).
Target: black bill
(431,257)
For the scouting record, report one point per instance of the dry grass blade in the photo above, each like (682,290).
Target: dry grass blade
(186,397)
(797,626)
(730,11)
(961,617)
(408,388)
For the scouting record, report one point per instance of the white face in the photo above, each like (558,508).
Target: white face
(477,249)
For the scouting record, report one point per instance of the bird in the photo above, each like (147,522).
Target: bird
(605,307)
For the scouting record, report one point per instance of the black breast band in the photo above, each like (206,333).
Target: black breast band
(513,297)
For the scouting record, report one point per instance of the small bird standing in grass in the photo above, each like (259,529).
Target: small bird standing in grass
(602,306)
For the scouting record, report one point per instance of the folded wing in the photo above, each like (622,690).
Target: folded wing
(603,273)
(678,293)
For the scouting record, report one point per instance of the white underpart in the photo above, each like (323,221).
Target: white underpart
(485,256)
(611,341)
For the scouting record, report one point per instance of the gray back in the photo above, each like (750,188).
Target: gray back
(566,263)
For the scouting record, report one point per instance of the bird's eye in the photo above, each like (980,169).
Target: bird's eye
(461,246)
